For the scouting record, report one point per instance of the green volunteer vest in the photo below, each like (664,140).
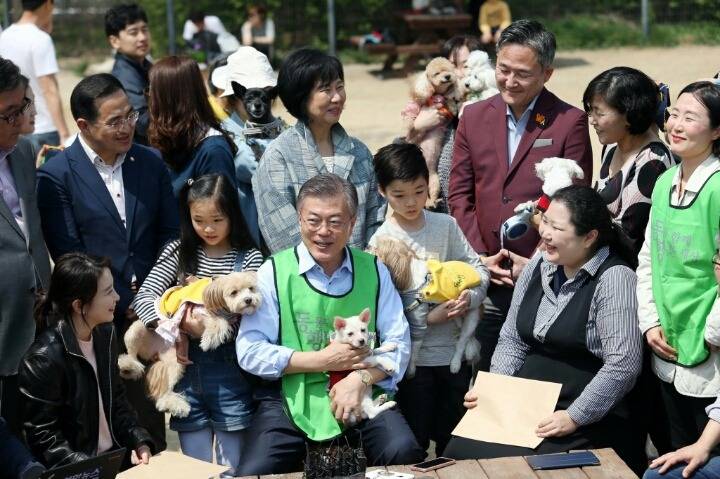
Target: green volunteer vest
(681,248)
(306,322)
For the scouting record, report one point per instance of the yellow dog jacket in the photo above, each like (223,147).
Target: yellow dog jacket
(448,279)
(171,306)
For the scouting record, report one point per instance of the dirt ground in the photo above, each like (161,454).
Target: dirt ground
(373,107)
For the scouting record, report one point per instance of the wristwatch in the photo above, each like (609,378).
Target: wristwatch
(365,377)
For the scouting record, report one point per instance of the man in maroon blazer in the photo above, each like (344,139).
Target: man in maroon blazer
(497,144)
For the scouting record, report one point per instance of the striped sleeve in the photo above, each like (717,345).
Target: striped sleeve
(161,277)
(616,339)
(253,260)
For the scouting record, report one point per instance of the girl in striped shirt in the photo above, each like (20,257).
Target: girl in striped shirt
(214,240)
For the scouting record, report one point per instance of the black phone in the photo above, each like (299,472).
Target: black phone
(562,461)
(432,464)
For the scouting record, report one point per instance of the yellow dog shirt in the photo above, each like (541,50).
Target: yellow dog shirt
(448,279)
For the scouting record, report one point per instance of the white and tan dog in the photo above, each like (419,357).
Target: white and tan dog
(224,298)
(354,331)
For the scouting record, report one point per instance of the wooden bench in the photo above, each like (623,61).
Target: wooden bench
(611,467)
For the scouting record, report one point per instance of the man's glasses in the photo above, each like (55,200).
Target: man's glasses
(12,118)
(129,120)
(716,258)
(314,224)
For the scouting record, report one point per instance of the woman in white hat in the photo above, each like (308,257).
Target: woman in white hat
(247,69)
(312,88)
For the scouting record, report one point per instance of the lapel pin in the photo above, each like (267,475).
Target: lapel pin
(132,158)
(540,120)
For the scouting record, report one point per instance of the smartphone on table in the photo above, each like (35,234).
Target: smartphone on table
(432,464)
(561,461)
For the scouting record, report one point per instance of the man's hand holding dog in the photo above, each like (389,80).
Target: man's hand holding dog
(341,357)
(346,398)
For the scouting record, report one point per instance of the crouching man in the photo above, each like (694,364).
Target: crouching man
(286,341)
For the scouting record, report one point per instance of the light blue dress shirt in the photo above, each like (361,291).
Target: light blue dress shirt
(257,349)
(516,128)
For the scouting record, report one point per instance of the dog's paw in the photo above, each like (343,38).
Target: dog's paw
(129,367)
(215,335)
(174,404)
(455,364)
(387,364)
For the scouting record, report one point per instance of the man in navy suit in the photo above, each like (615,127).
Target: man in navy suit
(105,195)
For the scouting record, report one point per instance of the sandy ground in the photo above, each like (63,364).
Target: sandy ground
(373,107)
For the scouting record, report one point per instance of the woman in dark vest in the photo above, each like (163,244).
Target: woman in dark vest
(573,321)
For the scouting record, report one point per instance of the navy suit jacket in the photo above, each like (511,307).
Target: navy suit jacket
(78,214)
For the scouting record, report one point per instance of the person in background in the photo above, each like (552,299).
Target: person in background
(679,308)
(74,404)
(312,88)
(494,18)
(187,133)
(28,44)
(105,195)
(220,105)
(251,69)
(23,256)
(621,104)
(497,145)
(259,31)
(198,21)
(127,31)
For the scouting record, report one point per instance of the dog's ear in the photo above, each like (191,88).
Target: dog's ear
(365,315)
(271,91)
(423,89)
(213,295)
(340,323)
(238,89)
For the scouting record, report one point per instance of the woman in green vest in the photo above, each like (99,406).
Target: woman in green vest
(679,311)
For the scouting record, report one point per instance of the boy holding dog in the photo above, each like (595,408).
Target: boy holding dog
(431,401)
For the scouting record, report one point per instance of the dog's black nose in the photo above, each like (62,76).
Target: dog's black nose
(248,300)
(361,342)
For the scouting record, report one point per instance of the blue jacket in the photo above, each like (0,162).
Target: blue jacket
(134,79)
(212,156)
(78,213)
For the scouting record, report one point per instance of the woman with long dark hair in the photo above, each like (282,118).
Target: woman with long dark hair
(74,404)
(572,321)
(184,128)
(214,240)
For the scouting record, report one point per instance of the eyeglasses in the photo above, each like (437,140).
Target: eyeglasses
(129,120)
(12,118)
(716,258)
(314,224)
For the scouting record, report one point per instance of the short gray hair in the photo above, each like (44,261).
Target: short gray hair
(328,185)
(531,34)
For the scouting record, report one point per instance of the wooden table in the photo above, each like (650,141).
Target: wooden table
(611,467)
(428,31)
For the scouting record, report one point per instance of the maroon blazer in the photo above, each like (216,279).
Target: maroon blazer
(484,189)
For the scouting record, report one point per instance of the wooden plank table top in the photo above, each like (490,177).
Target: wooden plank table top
(611,467)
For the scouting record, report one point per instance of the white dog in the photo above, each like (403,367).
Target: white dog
(480,77)
(224,298)
(555,173)
(354,331)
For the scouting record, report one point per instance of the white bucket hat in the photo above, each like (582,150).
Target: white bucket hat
(248,67)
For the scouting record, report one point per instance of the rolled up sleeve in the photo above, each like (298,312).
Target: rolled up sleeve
(392,328)
(257,350)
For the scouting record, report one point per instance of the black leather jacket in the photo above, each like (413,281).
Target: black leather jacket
(60,397)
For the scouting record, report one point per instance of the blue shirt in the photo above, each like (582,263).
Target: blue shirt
(212,156)
(257,349)
(516,128)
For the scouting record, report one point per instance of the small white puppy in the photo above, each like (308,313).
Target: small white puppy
(354,331)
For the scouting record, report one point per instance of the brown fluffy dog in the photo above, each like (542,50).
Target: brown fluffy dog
(224,298)
(437,88)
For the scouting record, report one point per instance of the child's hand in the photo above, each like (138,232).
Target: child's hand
(440,313)
(182,345)
(428,119)
(461,306)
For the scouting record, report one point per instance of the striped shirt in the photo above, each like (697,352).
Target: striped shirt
(612,332)
(164,275)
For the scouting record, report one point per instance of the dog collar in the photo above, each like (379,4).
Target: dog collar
(271,130)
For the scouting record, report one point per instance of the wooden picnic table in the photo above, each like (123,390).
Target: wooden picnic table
(611,467)
(428,32)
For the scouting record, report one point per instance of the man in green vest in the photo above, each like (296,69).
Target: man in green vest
(286,342)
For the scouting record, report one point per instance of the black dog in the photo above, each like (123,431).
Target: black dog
(261,124)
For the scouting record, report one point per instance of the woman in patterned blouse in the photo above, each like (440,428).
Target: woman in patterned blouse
(621,104)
